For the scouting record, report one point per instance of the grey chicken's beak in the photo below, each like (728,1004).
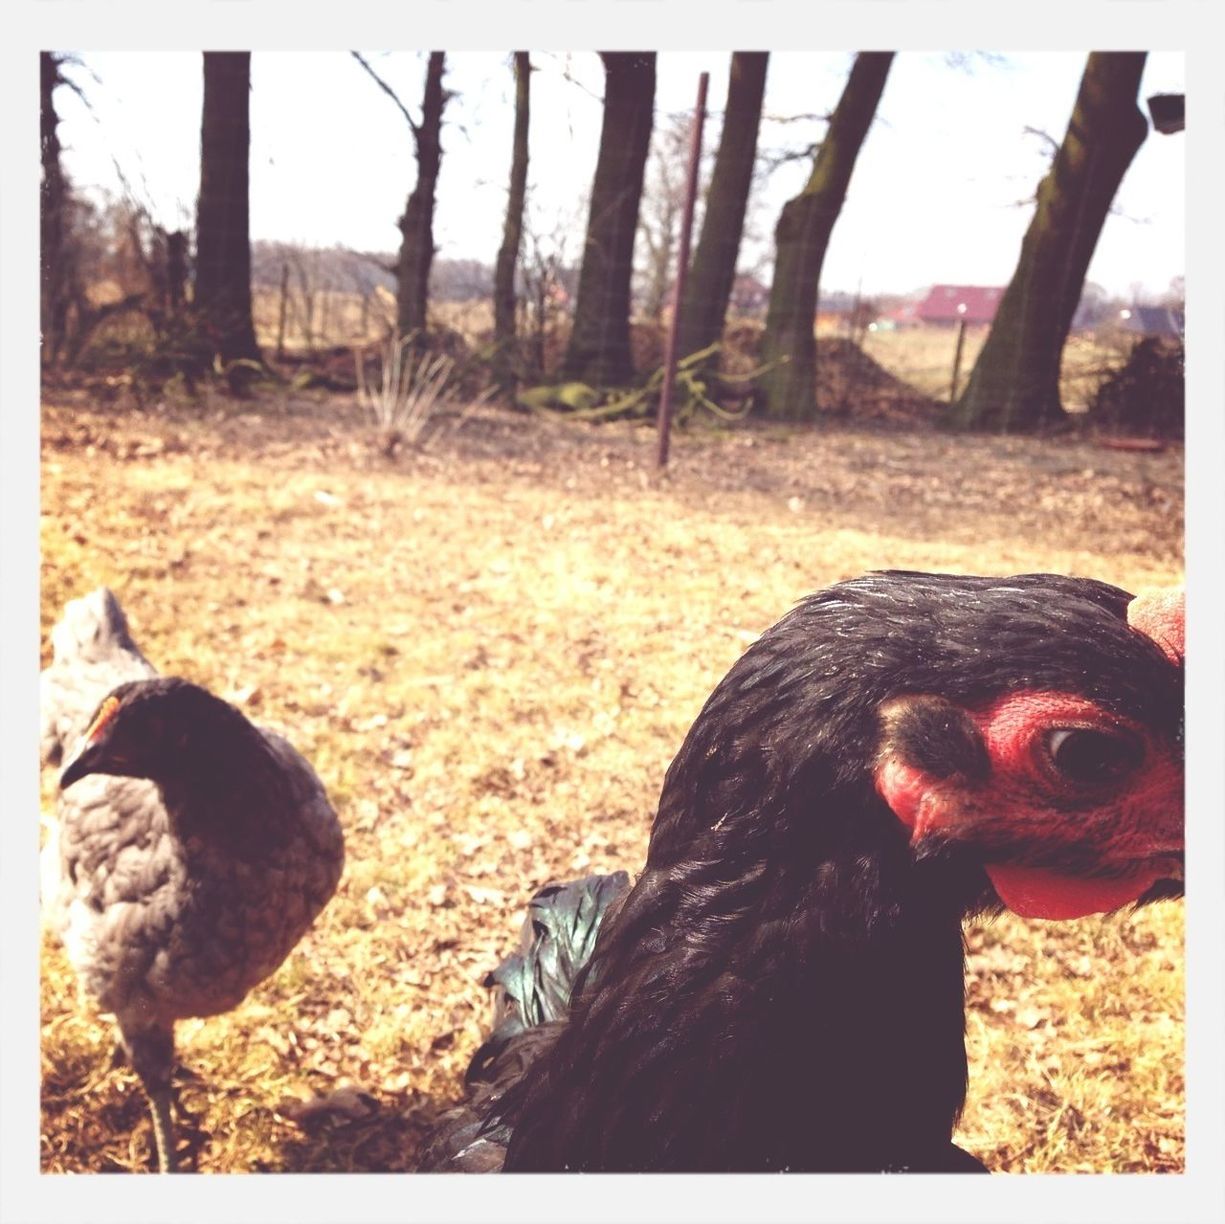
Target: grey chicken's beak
(86,759)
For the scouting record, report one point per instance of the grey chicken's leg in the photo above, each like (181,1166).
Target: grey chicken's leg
(152,1054)
(163,1129)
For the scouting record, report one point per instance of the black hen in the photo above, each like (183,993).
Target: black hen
(531,998)
(191,849)
(783,988)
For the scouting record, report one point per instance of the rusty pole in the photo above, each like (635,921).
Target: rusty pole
(961,337)
(682,267)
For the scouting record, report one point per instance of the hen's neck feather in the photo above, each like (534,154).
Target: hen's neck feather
(764,1005)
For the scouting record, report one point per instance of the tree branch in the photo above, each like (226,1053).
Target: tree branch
(387,89)
(769,162)
(567,75)
(805,117)
(1051,143)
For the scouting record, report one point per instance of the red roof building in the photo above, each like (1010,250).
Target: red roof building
(905,315)
(952,303)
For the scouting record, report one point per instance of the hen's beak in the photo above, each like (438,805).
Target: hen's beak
(84,762)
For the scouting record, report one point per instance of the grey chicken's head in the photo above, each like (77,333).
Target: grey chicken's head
(160,729)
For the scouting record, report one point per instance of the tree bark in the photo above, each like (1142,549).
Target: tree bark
(417,223)
(506,364)
(223,241)
(599,348)
(54,274)
(787,390)
(709,287)
(1014,386)
(176,271)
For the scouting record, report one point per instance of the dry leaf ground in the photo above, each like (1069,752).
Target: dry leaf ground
(490,650)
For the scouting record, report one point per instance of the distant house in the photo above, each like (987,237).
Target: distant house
(902,316)
(948,304)
(835,309)
(1165,322)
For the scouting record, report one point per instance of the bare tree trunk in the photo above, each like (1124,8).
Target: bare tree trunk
(599,349)
(307,293)
(54,274)
(506,363)
(280,314)
(176,271)
(714,261)
(223,244)
(417,223)
(1014,386)
(788,389)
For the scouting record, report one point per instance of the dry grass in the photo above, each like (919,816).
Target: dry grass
(328,317)
(923,357)
(490,651)
(339,317)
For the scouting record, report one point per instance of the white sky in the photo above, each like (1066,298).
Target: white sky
(933,198)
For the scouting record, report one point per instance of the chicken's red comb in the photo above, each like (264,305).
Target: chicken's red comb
(106,711)
(1161,614)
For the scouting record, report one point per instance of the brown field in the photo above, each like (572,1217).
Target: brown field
(331,317)
(335,317)
(923,357)
(490,649)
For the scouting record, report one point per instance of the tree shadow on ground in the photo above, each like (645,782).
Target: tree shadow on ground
(390,1140)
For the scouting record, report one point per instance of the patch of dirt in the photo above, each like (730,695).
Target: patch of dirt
(851,387)
(490,649)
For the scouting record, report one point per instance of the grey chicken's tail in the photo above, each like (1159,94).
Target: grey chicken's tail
(532,986)
(92,652)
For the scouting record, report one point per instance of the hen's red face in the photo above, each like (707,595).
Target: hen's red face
(1071,808)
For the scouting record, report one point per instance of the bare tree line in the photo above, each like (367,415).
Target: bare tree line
(1013,386)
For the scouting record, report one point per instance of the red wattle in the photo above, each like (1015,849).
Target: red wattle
(1035,892)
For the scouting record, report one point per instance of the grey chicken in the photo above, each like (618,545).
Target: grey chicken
(190,852)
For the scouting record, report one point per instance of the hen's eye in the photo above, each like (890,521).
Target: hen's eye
(1080,754)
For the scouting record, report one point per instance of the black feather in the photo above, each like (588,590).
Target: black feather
(532,986)
(783,986)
